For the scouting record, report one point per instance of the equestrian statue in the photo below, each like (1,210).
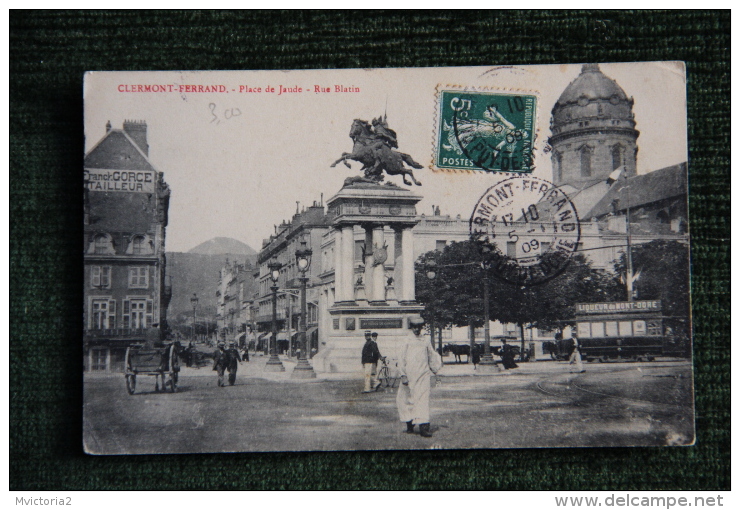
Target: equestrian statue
(374,148)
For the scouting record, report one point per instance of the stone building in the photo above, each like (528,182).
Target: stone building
(233,296)
(308,225)
(126,202)
(592,135)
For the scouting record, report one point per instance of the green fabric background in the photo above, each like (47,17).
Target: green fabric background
(50,51)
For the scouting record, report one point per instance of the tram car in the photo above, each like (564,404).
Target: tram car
(625,330)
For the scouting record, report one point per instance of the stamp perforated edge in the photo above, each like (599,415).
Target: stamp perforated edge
(489,90)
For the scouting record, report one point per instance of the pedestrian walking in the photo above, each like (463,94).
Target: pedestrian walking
(575,356)
(418,361)
(370,357)
(220,362)
(476,356)
(232,362)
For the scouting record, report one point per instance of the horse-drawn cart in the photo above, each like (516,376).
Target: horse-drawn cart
(159,362)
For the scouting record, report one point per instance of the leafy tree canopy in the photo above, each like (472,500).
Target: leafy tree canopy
(455,295)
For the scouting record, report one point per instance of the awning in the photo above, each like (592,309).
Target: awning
(282,336)
(310,331)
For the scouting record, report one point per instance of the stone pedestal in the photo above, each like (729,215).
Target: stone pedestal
(385,308)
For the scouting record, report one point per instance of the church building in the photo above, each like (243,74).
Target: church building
(594,161)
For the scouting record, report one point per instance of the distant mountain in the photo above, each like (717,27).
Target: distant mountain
(198,273)
(223,246)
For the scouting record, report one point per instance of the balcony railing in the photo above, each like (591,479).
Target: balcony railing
(117,332)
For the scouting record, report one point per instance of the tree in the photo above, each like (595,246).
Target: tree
(664,274)
(553,303)
(454,296)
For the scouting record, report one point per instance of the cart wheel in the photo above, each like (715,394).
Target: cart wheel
(173,382)
(131,383)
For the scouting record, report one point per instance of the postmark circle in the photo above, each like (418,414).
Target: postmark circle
(531,229)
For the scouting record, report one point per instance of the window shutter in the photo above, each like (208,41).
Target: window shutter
(126,313)
(149,308)
(112,314)
(105,276)
(95,276)
(144,277)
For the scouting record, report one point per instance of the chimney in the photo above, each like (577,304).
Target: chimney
(107,127)
(136,129)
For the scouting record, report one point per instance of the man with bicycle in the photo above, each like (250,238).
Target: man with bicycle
(370,357)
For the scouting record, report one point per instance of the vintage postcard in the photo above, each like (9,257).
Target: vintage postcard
(373,259)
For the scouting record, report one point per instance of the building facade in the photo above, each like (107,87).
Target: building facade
(308,225)
(234,295)
(126,202)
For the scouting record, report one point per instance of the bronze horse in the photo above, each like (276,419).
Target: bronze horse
(376,156)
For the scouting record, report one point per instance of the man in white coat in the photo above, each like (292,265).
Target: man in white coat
(417,362)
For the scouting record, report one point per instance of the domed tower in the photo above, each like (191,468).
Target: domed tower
(593,130)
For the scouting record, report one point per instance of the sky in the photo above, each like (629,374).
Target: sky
(237,161)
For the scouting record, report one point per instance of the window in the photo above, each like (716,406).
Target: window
(359,245)
(611,328)
(625,328)
(557,160)
(103,245)
(138,277)
(103,314)
(586,153)
(617,156)
(100,277)
(98,359)
(597,329)
(139,246)
(137,313)
(440,245)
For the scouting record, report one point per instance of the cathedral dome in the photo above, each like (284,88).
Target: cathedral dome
(592,96)
(592,84)
(592,130)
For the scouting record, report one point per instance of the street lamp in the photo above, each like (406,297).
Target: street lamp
(485,264)
(274,364)
(303,369)
(431,270)
(194,302)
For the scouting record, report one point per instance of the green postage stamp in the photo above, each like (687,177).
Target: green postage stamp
(489,131)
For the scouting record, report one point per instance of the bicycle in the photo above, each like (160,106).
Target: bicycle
(385,379)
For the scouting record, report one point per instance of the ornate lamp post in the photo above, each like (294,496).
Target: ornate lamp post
(274,364)
(487,358)
(194,302)
(432,274)
(303,369)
